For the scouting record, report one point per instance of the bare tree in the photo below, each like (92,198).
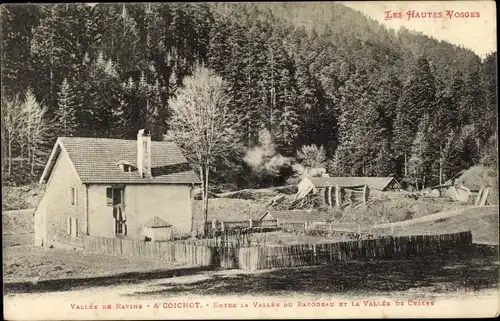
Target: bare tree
(12,125)
(203,124)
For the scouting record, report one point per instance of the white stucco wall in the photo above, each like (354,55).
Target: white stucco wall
(171,203)
(53,211)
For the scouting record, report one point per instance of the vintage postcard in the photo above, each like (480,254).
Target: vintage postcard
(249,160)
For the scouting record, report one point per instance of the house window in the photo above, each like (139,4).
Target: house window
(72,226)
(72,196)
(114,198)
(120,219)
(109,196)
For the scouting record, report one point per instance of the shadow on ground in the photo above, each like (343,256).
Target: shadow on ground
(436,274)
(68,284)
(429,275)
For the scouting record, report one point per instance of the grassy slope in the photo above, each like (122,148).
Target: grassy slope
(482,221)
(17,228)
(21,197)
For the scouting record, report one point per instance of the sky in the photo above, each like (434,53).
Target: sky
(477,34)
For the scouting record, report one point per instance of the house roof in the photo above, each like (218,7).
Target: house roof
(95,160)
(299,216)
(379,183)
(156,222)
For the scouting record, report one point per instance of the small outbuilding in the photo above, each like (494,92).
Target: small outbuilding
(296,217)
(157,229)
(374,183)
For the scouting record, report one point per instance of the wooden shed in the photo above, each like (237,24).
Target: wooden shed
(288,218)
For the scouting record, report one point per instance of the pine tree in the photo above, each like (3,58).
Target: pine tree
(384,164)
(416,102)
(120,40)
(104,101)
(36,131)
(58,46)
(66,112)
(487,124)
(288,118)
(18,23)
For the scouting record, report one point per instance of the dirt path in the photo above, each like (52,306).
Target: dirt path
(212,288)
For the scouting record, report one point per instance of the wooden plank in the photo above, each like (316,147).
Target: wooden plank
(484,197)
(479,196)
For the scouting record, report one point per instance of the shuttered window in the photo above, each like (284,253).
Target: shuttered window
(69,225)
(75,227)
(72,196)
(72,226)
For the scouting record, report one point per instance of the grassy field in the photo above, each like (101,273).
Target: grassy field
(17,228)
(26,263)
(23,262)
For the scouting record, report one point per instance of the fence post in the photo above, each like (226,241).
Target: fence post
(214,224)
(250,223)
(222,225)
(365,193)
(338,200)
(329,191)
(305,225)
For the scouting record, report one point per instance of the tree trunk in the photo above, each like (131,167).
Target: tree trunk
(203,200)
(32,171)
(204,175)
(9,170)
(406,167)
(440,165)
(416,178)
(440,171)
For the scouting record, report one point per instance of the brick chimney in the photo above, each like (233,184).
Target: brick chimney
(144,153)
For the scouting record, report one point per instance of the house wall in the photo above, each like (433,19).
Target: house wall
(51,216)
(171,203)
(101,220)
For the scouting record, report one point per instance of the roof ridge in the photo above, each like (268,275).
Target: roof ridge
(107,138)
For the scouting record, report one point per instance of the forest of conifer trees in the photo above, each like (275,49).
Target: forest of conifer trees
(379,102)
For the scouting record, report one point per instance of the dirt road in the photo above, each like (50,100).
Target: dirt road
(223,294)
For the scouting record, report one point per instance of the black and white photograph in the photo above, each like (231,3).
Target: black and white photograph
(242,160)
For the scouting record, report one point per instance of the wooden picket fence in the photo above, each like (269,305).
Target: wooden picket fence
(156,251)
(232,255)
(267,257)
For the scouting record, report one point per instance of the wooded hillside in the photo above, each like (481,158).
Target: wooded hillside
(379,102)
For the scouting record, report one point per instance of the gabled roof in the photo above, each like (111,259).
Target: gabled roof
(156,222)
(299,216)
(379,183)
(95,161)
